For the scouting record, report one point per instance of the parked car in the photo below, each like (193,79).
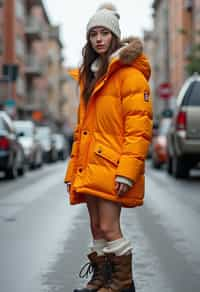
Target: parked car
(61,145)
(45,136)
(159,143)
(12,157)
(183,138)
(26,131)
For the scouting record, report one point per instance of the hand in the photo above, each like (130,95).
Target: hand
(121,188)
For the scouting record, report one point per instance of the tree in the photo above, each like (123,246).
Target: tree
(194,60)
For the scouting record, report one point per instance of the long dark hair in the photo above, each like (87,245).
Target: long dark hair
(89,56)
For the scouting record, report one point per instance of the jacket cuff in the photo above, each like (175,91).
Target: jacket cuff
(124,180)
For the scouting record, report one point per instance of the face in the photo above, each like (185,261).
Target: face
(100,39)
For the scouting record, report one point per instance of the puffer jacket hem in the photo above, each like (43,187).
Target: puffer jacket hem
(78,198)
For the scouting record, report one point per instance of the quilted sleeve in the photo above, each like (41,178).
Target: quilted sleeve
(137,116)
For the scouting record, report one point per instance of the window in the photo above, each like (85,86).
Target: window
(194,98)
(2,125)
(187,94)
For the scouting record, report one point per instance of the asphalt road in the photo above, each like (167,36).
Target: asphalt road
(44,241)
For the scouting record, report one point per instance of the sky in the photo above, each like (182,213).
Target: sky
(73,15)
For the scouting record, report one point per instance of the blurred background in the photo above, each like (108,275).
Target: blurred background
(40,40)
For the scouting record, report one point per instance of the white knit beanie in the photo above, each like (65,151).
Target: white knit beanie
(107,17)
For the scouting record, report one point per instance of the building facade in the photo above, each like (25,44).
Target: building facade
(36,49)
(149,49)
(160,53)
(180,41)
(176,30)
(70,92)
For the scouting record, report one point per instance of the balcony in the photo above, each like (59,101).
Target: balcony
(34,67)
(34,29)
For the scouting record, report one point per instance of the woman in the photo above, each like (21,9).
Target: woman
(106,169)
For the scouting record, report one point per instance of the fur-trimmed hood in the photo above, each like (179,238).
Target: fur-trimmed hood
(129,54)
(131,48)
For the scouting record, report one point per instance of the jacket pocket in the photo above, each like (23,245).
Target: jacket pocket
(107,153)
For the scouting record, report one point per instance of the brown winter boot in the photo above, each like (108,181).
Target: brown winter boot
(121,274)
(97,266)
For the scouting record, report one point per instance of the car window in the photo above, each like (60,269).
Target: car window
(4,126)
(25,129)
(187,94)
(194,98)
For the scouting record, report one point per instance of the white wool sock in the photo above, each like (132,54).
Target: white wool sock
(98,246)
(120,247)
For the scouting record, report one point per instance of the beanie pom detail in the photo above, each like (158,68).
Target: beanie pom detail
(111,7)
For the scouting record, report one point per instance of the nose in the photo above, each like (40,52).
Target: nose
(98,37)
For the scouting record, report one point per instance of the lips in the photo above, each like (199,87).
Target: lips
(100,47)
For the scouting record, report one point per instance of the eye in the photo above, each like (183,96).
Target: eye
(93,34)
(105,32)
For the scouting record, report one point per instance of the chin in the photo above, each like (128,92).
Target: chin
(101,52)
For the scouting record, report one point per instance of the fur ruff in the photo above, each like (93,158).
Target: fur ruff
(131,49)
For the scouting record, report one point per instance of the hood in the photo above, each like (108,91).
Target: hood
(131,54)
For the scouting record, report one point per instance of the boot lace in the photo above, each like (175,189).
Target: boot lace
(86,270)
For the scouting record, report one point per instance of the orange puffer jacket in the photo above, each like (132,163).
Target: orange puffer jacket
(114,131)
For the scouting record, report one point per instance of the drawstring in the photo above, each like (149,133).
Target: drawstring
(90,269)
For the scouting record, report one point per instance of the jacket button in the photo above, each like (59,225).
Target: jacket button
(99,151)
(85,133)
(80,169)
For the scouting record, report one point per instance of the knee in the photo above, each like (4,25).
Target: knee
(110,231)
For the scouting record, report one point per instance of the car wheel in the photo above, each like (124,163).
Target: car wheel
(12,172)
(21,170)
(180,168)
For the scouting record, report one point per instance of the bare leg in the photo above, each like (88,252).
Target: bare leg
(93,210)
(109,219)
